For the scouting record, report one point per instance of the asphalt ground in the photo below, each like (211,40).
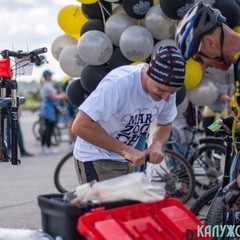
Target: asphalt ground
(21,185)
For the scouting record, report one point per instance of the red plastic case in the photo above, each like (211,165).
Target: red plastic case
(167,219)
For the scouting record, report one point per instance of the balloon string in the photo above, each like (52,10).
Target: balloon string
(103,8)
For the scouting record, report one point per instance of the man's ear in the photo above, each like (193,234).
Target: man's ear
(209,40)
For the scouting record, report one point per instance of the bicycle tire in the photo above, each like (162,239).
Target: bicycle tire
(177,174)
(65,179)
(36,130)
(200,207)
(208,169)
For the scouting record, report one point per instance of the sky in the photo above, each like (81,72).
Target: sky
(30,24)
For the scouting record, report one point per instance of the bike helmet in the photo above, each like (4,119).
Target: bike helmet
(200,20)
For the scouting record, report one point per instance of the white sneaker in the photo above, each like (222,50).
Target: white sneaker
(52,150)
(43,150)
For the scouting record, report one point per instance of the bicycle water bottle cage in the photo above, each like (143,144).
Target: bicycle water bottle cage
(5,70)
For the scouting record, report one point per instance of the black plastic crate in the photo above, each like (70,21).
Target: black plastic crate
(60,218)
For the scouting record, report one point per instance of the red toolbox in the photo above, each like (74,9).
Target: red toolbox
(167,219)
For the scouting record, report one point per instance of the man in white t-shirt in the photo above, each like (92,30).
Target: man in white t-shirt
(112,119)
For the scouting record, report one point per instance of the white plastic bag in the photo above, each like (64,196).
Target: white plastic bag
(134,186)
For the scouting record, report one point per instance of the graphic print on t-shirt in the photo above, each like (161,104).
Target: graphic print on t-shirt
(136,124)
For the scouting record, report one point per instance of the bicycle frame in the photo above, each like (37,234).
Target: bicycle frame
(9,102)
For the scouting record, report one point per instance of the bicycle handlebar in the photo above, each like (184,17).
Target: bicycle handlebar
(19,53)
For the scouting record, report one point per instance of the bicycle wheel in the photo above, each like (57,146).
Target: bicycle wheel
(37,130)
(65,178)
(208,166)
(175,174)
(201,205)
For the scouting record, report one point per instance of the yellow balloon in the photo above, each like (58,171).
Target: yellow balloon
(193,74)
(71,19)
(237,29)
(87,1)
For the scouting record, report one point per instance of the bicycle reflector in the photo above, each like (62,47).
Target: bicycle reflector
(5,70)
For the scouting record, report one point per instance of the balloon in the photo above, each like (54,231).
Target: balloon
(92,75)
(180,95)
(205,93)
(119,9)
(100,10)
(230,10)
(95,47)
(137,8)
(117,59)
(193,74)
(237,29)
(115,25)
(182,107)
(87,1)
(158,24)
(176,9)
(163,43)
(60,43)
(76,94)
(71,19)
(223,77)
(70,61)
(136,43)
(92,24)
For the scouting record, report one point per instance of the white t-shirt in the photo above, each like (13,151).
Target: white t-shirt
(120,105)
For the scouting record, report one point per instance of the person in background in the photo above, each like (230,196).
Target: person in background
(50,99)
(203,34)
(219,108)
(120,110)
(21,146)
(72,110)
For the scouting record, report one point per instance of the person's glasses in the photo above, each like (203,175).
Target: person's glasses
(196,57)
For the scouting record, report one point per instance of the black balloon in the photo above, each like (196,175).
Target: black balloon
(118,59)
(92,75)
(76,94)
(99,10)
(137,8)
(180,95)
(176,9)
(230,10)
(92,24)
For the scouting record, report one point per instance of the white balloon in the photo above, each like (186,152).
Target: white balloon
(182,107)
(158,24)
(118,9)
(205,93)
(136,43)
(70,61)
(60,43)
(163,43)
(95,47)
(223,77)
(115,25)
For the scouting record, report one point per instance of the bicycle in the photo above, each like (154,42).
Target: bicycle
(9,102)
(205,157)
(209,207)
(60,128)
(174,172)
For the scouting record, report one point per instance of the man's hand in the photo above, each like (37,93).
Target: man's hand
(228,122)
(231,193)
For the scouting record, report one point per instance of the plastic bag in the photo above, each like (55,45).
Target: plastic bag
(134,186)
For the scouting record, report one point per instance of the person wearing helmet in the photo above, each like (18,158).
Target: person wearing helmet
(203,34)
(122,107)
